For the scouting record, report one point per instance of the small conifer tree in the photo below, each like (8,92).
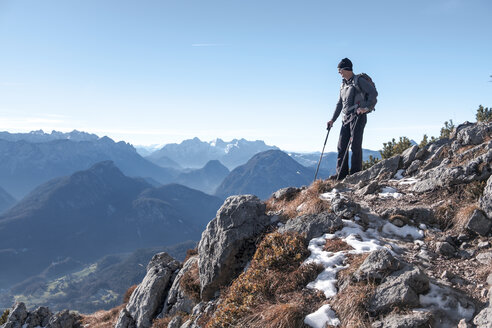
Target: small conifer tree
(484,114)
(447,129)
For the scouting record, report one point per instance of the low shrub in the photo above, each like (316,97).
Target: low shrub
(128,294)
(4,317)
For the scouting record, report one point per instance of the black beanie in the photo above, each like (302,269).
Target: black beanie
(345,64)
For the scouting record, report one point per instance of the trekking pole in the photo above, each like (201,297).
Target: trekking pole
(348,146)
(319,162)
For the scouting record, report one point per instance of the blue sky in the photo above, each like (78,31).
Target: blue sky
(155,72)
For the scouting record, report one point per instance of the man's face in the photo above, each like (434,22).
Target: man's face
(345,73)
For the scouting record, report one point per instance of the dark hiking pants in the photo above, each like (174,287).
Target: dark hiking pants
(345,134)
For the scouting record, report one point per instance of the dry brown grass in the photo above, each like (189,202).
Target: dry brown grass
(308,198)
(161,323)
(350,305)
(190,253)
(344,276)
(336,245)
(444,215)
(283,315)
(273,288)
(128,294)
(190,282)
(102,319)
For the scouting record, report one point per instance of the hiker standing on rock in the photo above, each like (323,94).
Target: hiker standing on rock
(357,98)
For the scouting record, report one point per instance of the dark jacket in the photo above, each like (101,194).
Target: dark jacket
(346,101)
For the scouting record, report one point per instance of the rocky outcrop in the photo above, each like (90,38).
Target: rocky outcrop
(148,298)
(486,199)
(400,289)
(228,242)
(313,225)
(378,265)
(384,168)
(41,317)
(414,320)
(177,300)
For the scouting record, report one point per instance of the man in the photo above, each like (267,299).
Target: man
(355,105)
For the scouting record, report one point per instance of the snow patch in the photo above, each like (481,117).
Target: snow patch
(391,229)
(361,242)
(437,297)
(408,181)
(320,318)
(387,192)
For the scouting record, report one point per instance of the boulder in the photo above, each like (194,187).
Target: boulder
(479,223)
(484,318)
(379,264)
(343,207)
(228,242)
(313,225)
(412,168)
(400,289)
(177,300)
(64,319)
(416,214)
(39,317)
(125,320)
(384,168)
(408,156)
(148,298)
(370,188)
(473,134)
(17,316)
(286,193)
(415,320)
(445,249)
(486,199)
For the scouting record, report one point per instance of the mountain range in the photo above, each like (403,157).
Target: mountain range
(93,213)
(265,173)
(26,163)
(194,153)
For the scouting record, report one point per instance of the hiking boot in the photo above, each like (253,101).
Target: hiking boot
(332,177)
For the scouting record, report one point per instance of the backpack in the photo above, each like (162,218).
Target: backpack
(361,95)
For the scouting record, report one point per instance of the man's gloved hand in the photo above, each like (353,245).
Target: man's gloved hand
(362,111)
(329,125)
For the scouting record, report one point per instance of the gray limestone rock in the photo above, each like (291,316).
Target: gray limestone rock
(228,242)
(286,193)
(175,322)
(484,258)
(343,207)
(313,225)
(415,320)
(125,320)
(64,319)
(370,188)
(400,289)
(39,317)
(473,134)
(484,318)
(412,168)
(446,249)
(479,223)
(148,298)
(477,169)
(486,199)
(17,316)
(377,266)
(408,156)
(177,300)
(385,168)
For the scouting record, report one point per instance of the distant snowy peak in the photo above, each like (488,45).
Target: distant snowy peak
(194,153)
